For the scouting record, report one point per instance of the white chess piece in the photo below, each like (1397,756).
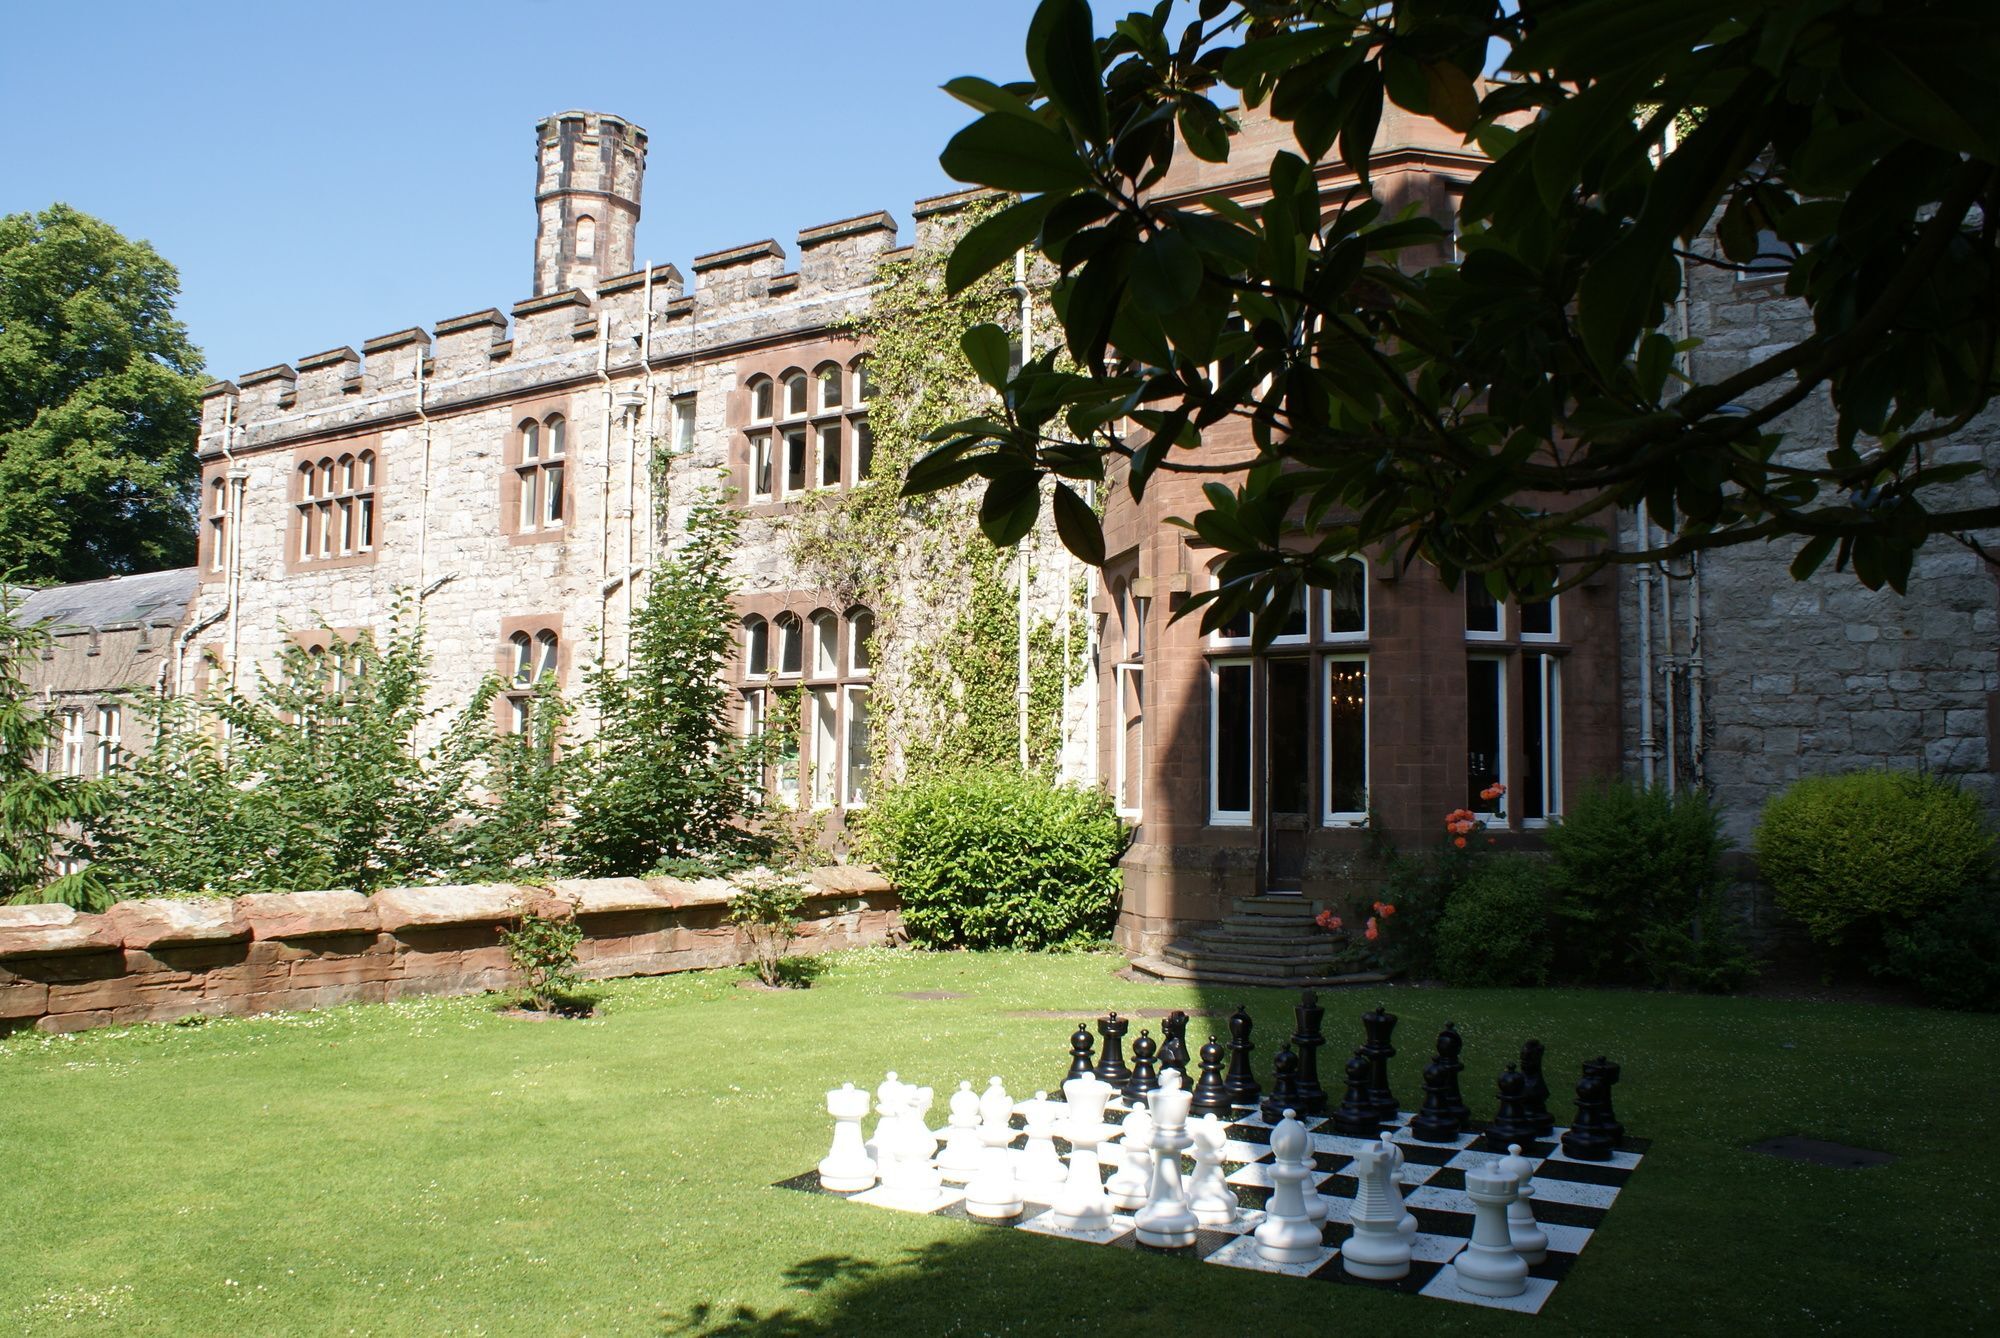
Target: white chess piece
(888,1115)
(847,1167)
(1209,1195)
(1166,1222)
(1040,1171)
(992,1193)
(1526,1235)
(1377,1249)
(1129,1186)
(1287,1235)
(1081,1205)
(996,1110)
(962,1145)
(1489,1265)
(1406,1221)
(918,1142)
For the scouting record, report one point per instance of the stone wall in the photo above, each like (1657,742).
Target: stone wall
(156,960)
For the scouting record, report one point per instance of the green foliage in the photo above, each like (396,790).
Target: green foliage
(665,776)
(1857,855)
(99,402)
(1637,877)
(998,859)
(542,943)
(766,906)
(1421,886)
(35,807)
(1952,954)
(1495,930)
(521,824)
(1381,379)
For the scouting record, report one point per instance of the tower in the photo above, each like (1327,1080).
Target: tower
(589,167)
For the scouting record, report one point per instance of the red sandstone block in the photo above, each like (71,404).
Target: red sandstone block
(43,931)
(62,1022)
(307,914)
(606,896)
(373,966)
(157,920)
(23,998)
(407,907)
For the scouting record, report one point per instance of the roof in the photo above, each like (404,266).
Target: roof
(155,597)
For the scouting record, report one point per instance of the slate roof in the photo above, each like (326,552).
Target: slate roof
(153,597)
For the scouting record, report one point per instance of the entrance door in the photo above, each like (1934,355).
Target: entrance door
(1287,771)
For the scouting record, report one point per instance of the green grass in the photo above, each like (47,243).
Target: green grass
(431,1167)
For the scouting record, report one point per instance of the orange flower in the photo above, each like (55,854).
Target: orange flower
(1327,920)
(1459,841)
(1387,910)
(1372,932)
(1492,840)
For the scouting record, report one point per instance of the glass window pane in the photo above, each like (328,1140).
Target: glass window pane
(757,653)
(829,388)
(1485,733)
(760,465)
(825,746)
(860,640)
(1482,612)
(790,651)
(1132,741)
(1347,736)
(1538,617)
(795,395)
(557,431)
(531,441)
(864,451)
(1347,601)
(829,456)
(531,501)
(1288,736)
(760,401)
(1230,738)
(795,461)
(367,522)
(545,643)
(825,637)
(856,784)
(1541,737)
(552,489)
(1295,618)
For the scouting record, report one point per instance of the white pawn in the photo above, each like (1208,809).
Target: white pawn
(1209,1195)
(1082,1206)
(1526,1235)
(1287,1235)
(1166,1222)
(1377,1249)
(992,1193)
(996,1109)
(1128,1187)
(847,1167)
(1406,1221)
(1041,1171)
(1489,1265)
(962,1145)
(888,1116)
(918,1142)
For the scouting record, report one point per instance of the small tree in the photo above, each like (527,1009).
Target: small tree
(542,944)
(34,807)
(665,777)
(766,905)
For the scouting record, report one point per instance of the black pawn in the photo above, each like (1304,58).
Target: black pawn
(1379,1025)
(1605,1069)
(1242,1087)
(1210,1096)
(1173,1045)
(1448,1046)
(1535,1101)
(1079,1055)
(1284,1086)
(1436,1123)
(1111,1059)
(1512,1124)
(1587,1139)
(1306,1041)
(1355,1116)
(1145,1076)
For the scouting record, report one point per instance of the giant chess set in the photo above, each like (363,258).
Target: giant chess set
(1135,1156)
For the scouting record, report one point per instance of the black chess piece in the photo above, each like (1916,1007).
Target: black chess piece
(1173,1044)
(1355,1116)
(1436,1123)
(1145,1073)
(1079,1055)
(1587,1139)
(1111,1059)
(1511,1124)
(1449,1044)
(1210,1096)
(1241,1085)
(1379,1025)
(1306,1041)
(1284,1085)
(1610,1072)
(1535,1101)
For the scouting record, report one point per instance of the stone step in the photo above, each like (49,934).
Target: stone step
(1159,968)
(1278,950)
(1280,907)
(1276,968)
(1274,930)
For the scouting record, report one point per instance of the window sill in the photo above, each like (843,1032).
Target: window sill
(518,538)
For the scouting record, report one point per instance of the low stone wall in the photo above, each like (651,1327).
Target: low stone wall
(149,961)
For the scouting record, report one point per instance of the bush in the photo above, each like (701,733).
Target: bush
(1856,855)
(1636,874)
(766,905)
(1953,954)
(998,860)
(542,944)
(1495,931)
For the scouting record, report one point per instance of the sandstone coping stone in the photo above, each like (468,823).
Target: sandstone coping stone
(162,920)
(307,914)
(849,879)
(604,896)
(407,907)
(47,931)
(707,892)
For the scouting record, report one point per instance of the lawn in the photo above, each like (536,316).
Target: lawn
(434,1167)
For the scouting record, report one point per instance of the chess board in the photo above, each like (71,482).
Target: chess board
(1572,1199)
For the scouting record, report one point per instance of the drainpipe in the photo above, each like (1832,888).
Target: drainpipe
(1672,743)
(631,407)
(1022,692)
(1695,672)
(1649,747)
(187,635)
(652,430)
(233,577)
(604,484)
(424,483)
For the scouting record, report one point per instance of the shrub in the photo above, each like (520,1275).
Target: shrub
(766,906)
(542,944)
(1495,931)
(1953,954)
(1856,855)
(998,859)
(1421,886)
(1636,874)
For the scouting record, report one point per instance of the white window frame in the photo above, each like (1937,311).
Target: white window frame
(763,467)
(1555,623)
(1216,638)
(850,694)
(754,709)
(1221,817)
(73,753)
(763,385)
(1548,686)
(1120,675)
(825,644)
(751,626)
(1326,632)
(785,385)
(784,483)
(794,624)
(857,428)
(825,746)
(1330,816)
(829,376)
(856,640)
(821,455)
(1497,814)
(684,415)
(1499,632)
(110,738)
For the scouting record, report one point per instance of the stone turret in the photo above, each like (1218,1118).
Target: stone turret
(589,168)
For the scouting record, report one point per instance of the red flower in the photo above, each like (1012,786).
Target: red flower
(1459,841)
(1372,932)
(1327,920)
(1386,909)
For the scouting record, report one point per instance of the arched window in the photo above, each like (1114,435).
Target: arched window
(756,647)
(218,523)
(860,641)
(761,399)
(533,656)
(335,510)
(791,655)
(830,377)
(795,394)
(538,474)
(864,380)
(586,237)
(826,644)
(1347,601)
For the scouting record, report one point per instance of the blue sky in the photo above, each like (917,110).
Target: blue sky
(321,174)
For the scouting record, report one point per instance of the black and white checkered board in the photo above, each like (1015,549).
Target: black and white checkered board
(1571,1201)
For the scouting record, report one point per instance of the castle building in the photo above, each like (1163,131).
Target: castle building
(517,474)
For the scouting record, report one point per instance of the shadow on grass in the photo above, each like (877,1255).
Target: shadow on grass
(864,1296)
